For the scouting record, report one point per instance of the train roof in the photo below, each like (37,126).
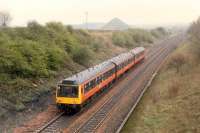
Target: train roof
(93,71)
(137,50)
(121,58)
(88,73)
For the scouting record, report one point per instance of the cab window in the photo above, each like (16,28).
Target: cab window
(67,91)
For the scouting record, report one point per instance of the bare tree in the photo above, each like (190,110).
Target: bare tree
(5,18)
(177,61)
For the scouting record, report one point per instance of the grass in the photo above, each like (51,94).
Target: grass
(171,104)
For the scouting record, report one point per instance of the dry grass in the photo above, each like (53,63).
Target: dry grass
(171,104)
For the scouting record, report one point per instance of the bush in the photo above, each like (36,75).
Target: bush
(97,45)
(141,36)
(132,38)
(194,32)
(177,61)
(118,39)
(174,88)
(159,32)
(12,62)
(55,58)
(83,55)
(35,31)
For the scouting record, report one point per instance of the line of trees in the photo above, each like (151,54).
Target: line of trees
(194,32)
(135,37)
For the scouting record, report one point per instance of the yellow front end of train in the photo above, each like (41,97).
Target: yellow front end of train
(68,97)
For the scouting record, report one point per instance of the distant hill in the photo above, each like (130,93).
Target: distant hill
(115,24)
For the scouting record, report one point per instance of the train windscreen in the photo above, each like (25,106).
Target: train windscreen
(67,91)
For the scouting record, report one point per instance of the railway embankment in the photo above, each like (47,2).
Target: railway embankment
(171,104)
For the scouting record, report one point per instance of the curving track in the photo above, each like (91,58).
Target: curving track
(104,114)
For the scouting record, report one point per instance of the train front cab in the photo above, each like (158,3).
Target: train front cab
(68,97)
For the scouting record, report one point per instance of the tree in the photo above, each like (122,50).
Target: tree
(177,61)
(194,32)
(70,29)
(5,18)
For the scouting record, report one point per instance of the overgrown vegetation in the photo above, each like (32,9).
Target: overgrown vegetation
(135,37)
(194,36)
(30,53)
(171,104)
(33,55)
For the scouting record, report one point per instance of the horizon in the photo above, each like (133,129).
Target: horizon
(163,13)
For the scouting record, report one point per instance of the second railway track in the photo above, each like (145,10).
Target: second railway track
(97,118)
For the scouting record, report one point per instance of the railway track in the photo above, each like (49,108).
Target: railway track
(137,94)
(51,125)
(97,118)
(138,99)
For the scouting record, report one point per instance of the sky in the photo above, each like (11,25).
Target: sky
(134,12)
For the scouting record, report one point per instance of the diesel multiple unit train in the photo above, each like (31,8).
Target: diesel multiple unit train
(73,92)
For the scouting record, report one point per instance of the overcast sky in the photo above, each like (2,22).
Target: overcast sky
(131,11)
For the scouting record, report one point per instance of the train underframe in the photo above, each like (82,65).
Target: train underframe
(69,108)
